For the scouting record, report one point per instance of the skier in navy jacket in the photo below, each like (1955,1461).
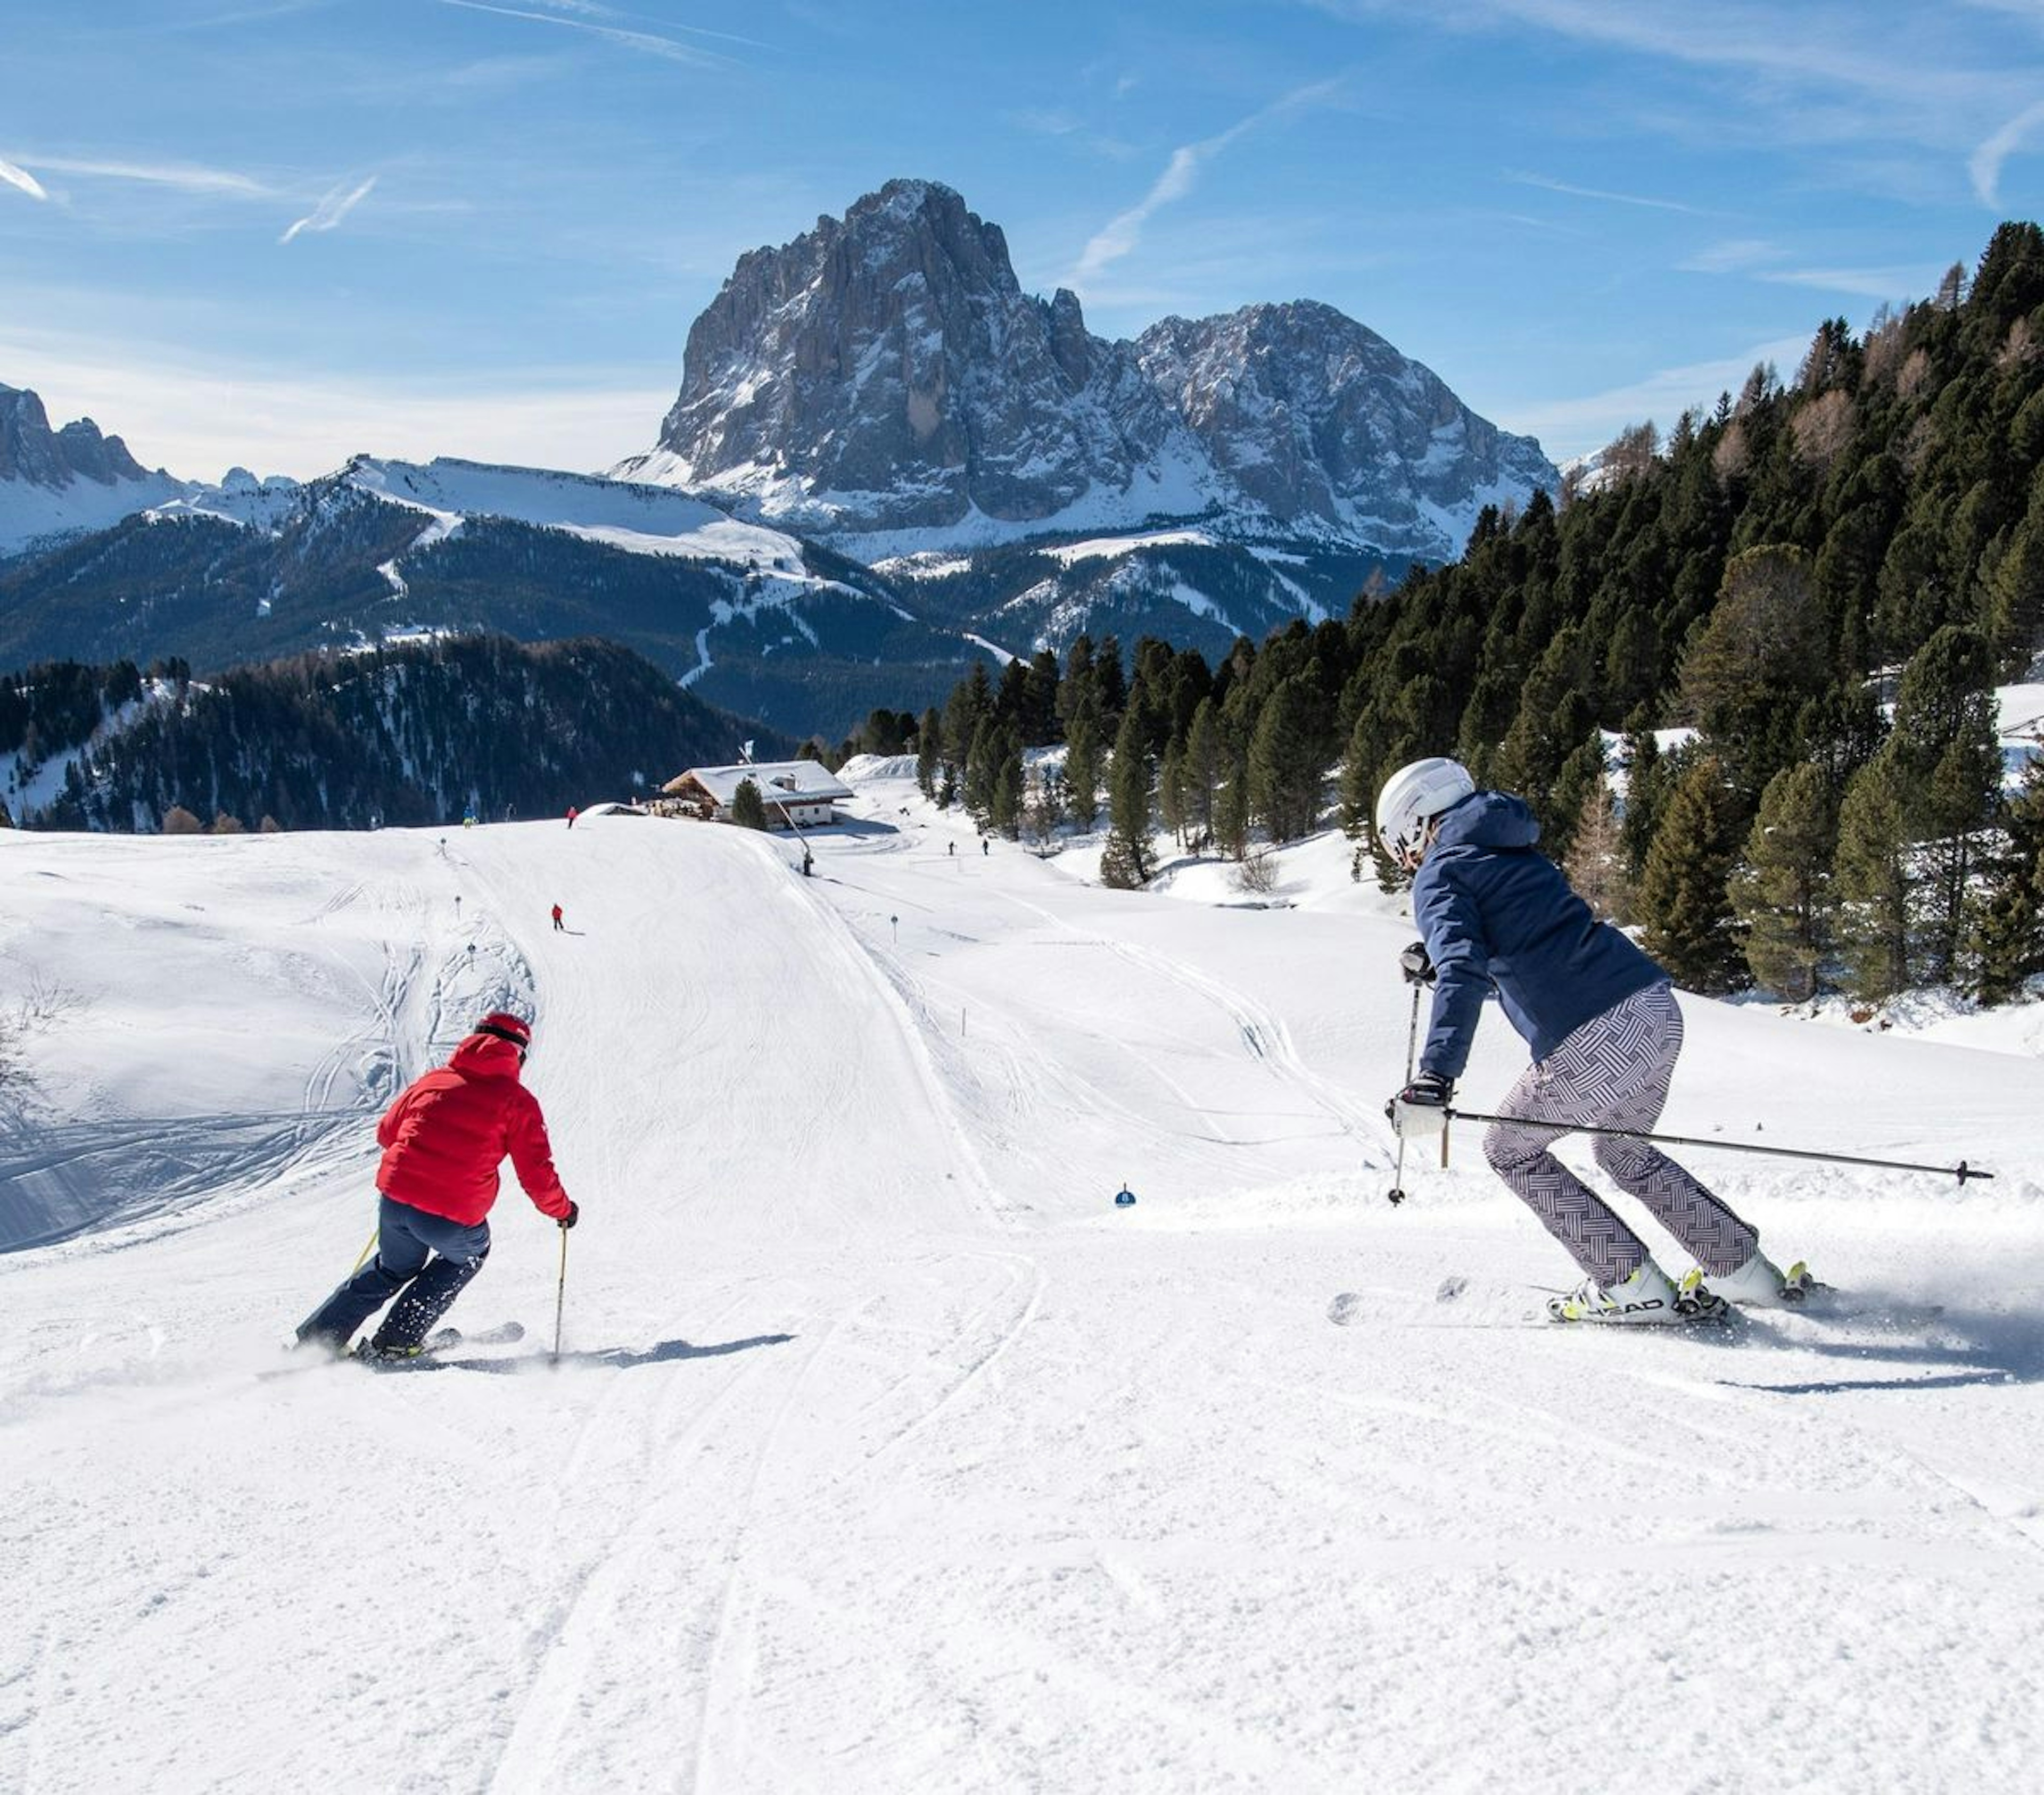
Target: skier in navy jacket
(1605,1033)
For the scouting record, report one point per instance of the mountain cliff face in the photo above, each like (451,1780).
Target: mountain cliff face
(884,380)
(55,482)
(1317,420)
(887,372)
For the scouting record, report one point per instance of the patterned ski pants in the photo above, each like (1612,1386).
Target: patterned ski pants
(1612,1071)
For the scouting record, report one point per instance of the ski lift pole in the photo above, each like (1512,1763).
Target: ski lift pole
(1963,1170)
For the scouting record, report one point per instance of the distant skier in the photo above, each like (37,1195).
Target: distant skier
(1605,1034)
(443,1142)
(986,846)
(951,848)
(571,816)
(559,925)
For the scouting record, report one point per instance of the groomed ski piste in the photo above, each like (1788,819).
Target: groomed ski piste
(886,1452)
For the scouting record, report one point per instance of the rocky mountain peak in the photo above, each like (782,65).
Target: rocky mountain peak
(30,451)
(886,371)
(882,380)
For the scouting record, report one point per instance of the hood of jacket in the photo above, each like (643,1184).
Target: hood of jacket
(484,1055)
(1488,819)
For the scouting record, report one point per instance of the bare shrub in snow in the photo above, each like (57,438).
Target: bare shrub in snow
(1257,871)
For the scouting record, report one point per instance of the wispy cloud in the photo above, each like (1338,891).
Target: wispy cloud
(592,19)
(338,203)
(21,177)
(1575,427)
(1738,255)
(1122,233)
(1554,186)
(1985,165)
(1068,127)
(1760,260)
(188,178)
(1892,73)
(1892,284)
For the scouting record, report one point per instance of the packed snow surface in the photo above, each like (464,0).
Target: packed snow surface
(639,519)
(885,1452)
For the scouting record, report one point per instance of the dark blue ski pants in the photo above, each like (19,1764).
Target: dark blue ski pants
(427,1258)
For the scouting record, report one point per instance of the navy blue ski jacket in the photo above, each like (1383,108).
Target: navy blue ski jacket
(1496,914)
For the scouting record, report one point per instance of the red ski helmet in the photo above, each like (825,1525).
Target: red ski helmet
(504,1026)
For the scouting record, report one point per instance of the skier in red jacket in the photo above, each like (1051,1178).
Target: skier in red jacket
(443,1142)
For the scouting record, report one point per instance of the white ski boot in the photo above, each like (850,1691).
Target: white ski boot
(1759,1283)
(1645,1299)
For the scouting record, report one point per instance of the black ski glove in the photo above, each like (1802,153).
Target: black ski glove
(574,1214)
(1416,964)
(1422,1108)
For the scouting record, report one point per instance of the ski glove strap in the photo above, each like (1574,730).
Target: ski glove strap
(1421,1109)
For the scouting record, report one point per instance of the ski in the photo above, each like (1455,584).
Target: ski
(442,1340)
(1348,1307)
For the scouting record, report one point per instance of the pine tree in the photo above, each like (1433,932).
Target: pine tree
(1575,788)
(1128,860)
(970,701)
(2008,944)
(929,752)
(1644,796)
(1762,655)
(1948,754)
(1082,773)
(1284,768)
(1005,810)
(1171,789)
(1874,882)
(748,809)
(1596,859)
(1689,925)
(1202,769)
(1231,825)
(1782,896)
(982,769)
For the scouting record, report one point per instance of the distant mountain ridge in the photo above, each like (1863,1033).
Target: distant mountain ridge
(884,461)
(54,482)
(883,381)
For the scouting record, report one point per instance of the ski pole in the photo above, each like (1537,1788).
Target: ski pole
(561,1295)
(366,1251)
(1962,1172)
(1396,1193)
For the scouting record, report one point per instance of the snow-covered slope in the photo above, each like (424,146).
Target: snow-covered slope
(642,520)
(886,1452)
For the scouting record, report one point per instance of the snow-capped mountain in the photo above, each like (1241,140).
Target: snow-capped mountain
(883,380)
(1317,420)
(55,483)
(753,619)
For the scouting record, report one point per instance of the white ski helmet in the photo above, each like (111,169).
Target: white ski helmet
(1412,797)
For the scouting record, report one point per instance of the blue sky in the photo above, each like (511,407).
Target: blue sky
(279,232)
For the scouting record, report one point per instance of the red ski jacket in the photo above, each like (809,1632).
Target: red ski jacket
(443,1140)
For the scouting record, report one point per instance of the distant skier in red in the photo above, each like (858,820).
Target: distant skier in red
(571,816)
(558,923)
(443,1142)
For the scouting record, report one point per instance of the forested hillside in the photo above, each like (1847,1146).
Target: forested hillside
(1824,577)
(413,734)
